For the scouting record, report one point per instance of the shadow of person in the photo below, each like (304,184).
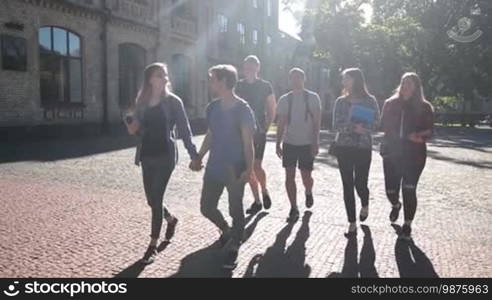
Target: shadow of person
(296,253)
(204,263)
(367,268)
(397,229)
(208,261)
(248,232)
(270,263)
(412,261)
(134,270)
(250,270)
(163,246)
(280,262)
(423,264)
(350,267)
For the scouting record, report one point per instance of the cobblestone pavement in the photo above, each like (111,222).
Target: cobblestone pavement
(77,209)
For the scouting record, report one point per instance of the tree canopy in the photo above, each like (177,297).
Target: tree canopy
(447,42)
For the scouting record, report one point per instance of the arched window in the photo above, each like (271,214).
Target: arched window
(60,60)
(131,67)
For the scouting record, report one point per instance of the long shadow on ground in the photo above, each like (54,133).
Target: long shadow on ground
(280,262)
(53,150)
(207,262)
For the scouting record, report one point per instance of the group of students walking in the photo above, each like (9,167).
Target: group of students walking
(238,122)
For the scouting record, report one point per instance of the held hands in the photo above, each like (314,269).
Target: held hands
(279,151)
(133,126)
(416,138)
(359,129)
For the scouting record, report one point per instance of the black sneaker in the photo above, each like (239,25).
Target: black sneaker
(406,233)
(395,211)
(255,208)
(171,229)
(309,201)
(149,256)
(350,233)
(230,262)
(364,213)
(267,202)
(293,215)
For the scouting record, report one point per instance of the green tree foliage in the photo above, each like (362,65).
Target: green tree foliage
(407,35)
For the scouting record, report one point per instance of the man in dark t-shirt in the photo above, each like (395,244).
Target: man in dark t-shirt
(260,96)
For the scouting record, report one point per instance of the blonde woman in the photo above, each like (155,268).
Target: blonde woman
(156,112)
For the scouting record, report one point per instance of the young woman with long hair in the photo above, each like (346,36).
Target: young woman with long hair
(407,121)
(355,117)
(156,113)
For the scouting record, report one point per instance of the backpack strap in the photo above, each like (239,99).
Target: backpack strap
(290,99)
(241,167)
(306,102)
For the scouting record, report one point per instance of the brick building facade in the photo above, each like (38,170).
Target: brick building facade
(73,62)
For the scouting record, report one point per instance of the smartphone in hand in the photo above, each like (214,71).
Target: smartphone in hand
(131,122)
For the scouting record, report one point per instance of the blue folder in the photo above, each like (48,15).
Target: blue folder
(362,114)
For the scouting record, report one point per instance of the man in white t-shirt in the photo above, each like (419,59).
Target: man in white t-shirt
(299,121)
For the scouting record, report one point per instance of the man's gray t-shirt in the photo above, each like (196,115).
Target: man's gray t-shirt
(299,132)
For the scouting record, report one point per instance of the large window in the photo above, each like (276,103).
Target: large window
(132,59)
(181,77)
(241,29)
(255,37)
(60,62)
(223,23)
